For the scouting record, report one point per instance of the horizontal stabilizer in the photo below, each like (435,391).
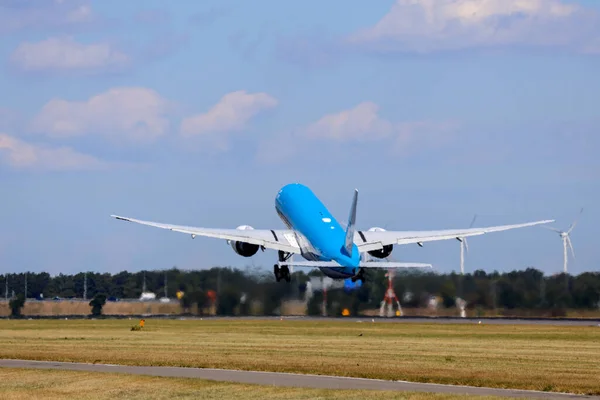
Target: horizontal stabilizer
(381,264)
(364,264)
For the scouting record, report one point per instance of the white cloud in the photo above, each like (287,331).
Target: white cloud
(430,25)
(134,113)
(363,123)
(64,53)
(358,123)
(22,155)
(18,15)
(231,113)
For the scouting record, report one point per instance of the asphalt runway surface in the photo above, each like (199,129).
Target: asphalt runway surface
(289,380)
(418,320)
(433,320)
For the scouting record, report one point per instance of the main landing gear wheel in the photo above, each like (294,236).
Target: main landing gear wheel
(282,272)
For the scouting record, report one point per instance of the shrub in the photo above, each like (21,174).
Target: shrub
(97,303)
(16,304)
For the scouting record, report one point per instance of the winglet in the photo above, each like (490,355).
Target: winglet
(121,218)
(349,242)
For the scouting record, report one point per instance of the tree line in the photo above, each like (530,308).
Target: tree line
(234,289)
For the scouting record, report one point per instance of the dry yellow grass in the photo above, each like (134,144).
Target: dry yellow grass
(24,384)
(291,307)
(76,307)
(556,358)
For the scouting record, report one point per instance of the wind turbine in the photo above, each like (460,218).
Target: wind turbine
(464,245)
(566,238)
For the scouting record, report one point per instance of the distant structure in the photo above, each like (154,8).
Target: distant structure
(85,286)
(166,291)
(389,298)
(566,239)
(461,305)
(165,299)
(464,245)
(146,296)
(433,303)
(323,283)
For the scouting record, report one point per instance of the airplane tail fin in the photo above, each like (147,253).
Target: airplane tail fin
(349,242)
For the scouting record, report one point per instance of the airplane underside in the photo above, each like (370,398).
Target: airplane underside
(282,270)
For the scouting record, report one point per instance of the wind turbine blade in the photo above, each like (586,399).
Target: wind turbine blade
(466,244)
(551,228)
(473,221)
(575,222)
(571,247)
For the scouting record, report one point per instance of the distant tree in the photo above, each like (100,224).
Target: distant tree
(186,302)
(586,290)
(359,297)
(519,290)
(448,293)
(315,304)
(199,298)
(228,301)
(97,303)
(16,304)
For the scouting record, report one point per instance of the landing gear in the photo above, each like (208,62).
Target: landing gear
(360,275)
(282,272)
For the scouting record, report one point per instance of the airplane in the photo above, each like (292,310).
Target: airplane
(314,234)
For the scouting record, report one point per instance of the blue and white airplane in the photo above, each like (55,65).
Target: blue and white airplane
(314,233)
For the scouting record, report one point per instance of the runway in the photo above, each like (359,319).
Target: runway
(289,380)
(426,320)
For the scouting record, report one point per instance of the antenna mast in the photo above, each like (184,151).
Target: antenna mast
(390,296)
(85,285)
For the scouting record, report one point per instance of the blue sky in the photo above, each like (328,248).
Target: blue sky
(198,113)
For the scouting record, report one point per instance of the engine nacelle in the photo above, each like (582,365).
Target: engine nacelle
(382,253)
(241,248)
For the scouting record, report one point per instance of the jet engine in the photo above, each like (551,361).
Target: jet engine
(242,248)
(381,253)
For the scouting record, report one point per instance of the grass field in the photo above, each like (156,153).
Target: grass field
(540,357)
(17,384)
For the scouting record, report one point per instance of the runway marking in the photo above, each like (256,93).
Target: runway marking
(289,379)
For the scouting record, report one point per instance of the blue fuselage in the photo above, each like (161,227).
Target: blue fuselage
(319,235)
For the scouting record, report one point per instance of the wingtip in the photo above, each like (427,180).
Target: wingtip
(545,221)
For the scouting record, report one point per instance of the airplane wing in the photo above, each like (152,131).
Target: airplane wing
(368,241)
(274,239)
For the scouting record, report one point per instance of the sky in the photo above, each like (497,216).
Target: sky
(197,113)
